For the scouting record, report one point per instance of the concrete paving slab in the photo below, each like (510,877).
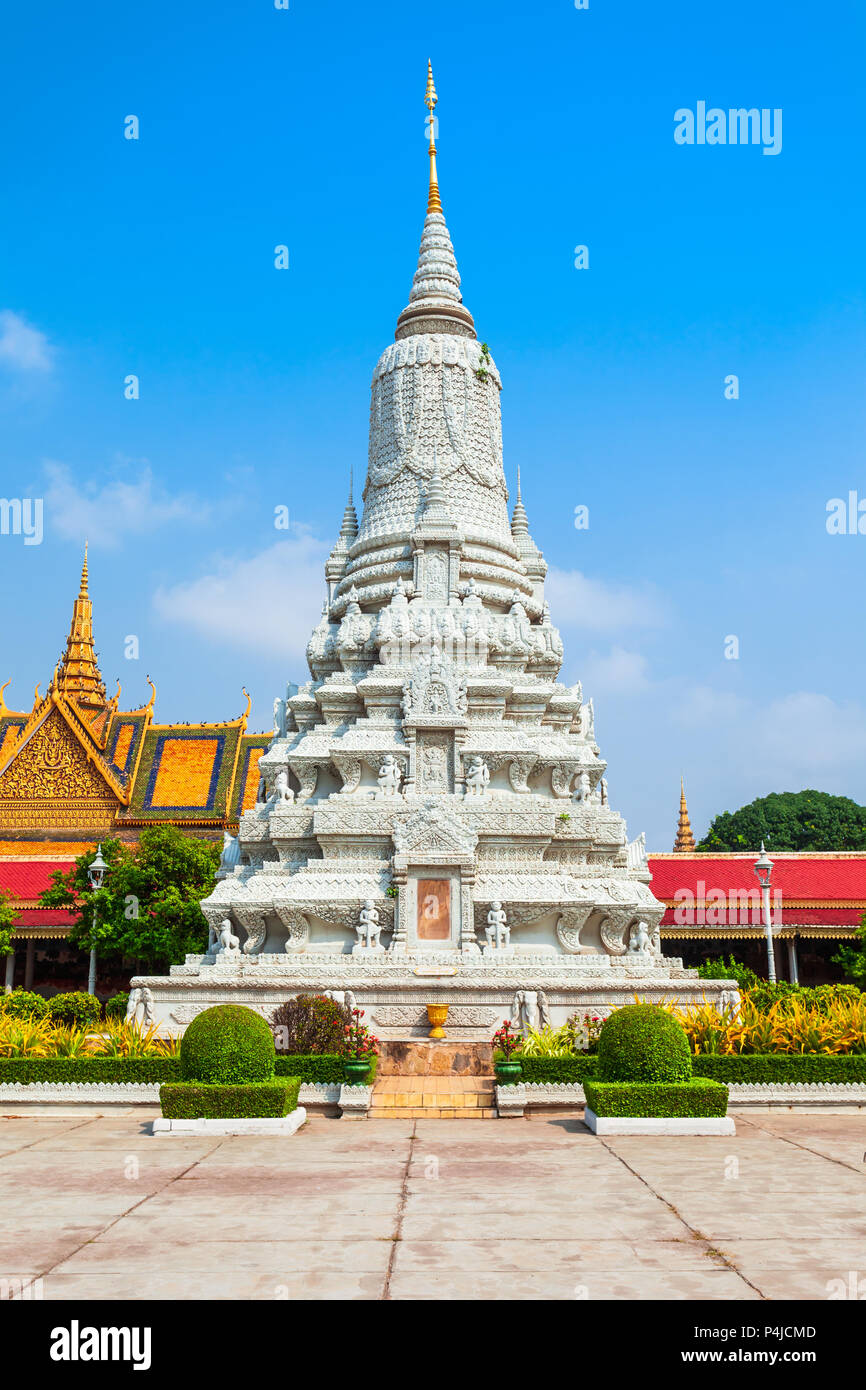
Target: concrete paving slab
(581,1284)
(525,1210)
(289,1256)
(224,1285)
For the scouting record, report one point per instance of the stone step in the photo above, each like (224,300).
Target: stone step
(433,1097)
(431,1112)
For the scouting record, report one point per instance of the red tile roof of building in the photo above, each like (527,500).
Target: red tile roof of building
(28,878)
(44,917)
(827,879)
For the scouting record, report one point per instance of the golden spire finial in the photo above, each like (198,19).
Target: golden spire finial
(78,674)
(430,100)
(685,841)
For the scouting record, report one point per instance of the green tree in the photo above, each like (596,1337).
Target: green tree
(790,821)
(853,958)
(7,917)
(148,907)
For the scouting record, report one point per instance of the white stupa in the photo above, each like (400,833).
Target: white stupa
(433,823)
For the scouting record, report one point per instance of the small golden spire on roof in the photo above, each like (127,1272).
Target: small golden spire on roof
(430,100)
(685,841)
(78,673)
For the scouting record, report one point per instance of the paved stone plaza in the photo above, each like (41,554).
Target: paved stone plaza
(407,1209)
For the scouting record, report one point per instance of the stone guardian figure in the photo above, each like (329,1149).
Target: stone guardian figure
(231,855)
(497,931)
(227,944)
(282,794)
(368,927)
(639,943)
(477,777)
(390,776)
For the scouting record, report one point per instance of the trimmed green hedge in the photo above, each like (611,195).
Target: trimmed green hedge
(322,1067)
(694,1099)
(782,1068)
(91,1070)
(227,1045)
(256,1100)
(557,1071)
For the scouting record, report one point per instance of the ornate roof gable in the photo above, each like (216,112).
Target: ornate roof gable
(56,759)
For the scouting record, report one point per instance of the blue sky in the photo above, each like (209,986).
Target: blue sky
(306,127)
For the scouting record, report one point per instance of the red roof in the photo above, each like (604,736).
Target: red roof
(44,917)
(800,878)
(28,878)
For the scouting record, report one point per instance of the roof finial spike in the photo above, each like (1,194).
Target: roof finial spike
(685,841)
(83,589)
(430,99)
(519,519)
(435,304)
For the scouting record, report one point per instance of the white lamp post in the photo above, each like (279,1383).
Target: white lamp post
(96,871)
(763,870)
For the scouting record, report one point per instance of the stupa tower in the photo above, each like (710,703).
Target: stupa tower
(433,822)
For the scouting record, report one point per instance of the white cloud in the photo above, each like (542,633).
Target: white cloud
(812,733)
(22,346)
(617,672)
(270,602)
(106,513)
(701,707)
(579,602)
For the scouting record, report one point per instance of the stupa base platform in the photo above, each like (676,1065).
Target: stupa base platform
(394,991)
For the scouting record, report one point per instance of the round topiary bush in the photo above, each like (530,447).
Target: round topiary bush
(643,1042)
(227,1045)
(22,1003)
(77,1010)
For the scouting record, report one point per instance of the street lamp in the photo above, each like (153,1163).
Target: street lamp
(96,871)
(763,870)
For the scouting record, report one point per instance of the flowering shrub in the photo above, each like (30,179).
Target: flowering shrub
(358,1043)
(507,1041)
(309,1023)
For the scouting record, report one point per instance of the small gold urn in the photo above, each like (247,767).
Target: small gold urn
(437,1014)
